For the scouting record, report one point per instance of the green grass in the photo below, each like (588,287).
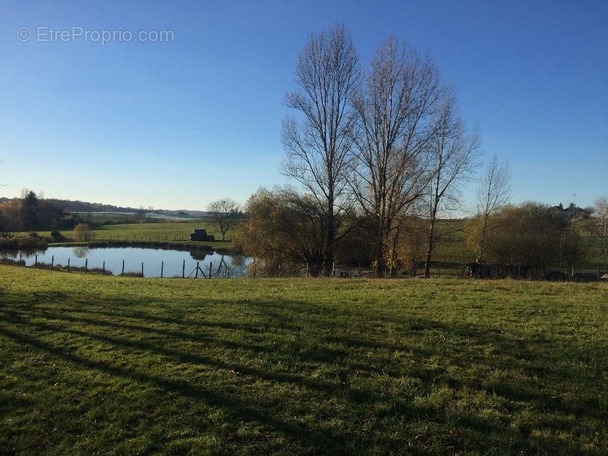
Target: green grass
(103,365)
(160,232)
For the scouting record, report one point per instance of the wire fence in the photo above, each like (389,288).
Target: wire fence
(222,269)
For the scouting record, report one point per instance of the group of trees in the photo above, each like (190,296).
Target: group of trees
(372,149)
(30,213)
(380,153)
(534,235)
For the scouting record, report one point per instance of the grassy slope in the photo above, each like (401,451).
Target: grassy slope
(101,365)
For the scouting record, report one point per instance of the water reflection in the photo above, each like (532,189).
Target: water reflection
(238,261)
(168,263)
(80,252)
(10,254)
(235,267)
(198,255)
(20,254)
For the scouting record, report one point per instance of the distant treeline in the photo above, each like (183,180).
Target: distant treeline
(77,206)
(32,213)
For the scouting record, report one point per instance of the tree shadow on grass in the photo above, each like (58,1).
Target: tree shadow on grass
(315,345)
(314,439)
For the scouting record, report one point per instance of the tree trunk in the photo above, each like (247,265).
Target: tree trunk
(380,249)
(482,240)
(330,240)
(431,240)
(430,247)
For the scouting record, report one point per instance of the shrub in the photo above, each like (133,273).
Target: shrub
(82,232)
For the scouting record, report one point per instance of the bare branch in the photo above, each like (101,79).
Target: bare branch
(317,148)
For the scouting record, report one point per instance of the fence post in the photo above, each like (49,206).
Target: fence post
(210,268)
(68,265)
(123,268)
(162,268)
(197,268)
(36,261)
(142,269)
(86,264)
(52,261)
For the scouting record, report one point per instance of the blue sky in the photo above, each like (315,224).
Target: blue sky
(180,123)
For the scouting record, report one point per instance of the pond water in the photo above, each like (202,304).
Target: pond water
(174,263)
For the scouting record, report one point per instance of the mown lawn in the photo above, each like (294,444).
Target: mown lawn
(110,365)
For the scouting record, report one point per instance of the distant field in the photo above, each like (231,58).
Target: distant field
(153,232)
(172,231)
(108,365)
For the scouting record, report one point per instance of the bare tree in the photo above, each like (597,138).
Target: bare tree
(601,225)
(394,130)
(492,195)
(226,213)
(317,147)
(454,154)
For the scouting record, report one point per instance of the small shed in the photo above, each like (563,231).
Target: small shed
(201,235)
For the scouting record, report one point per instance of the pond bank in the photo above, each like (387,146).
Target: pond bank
(32,243)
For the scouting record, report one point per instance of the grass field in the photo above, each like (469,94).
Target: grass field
(103,365)
(160,232)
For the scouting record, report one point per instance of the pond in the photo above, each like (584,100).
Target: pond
(171,263)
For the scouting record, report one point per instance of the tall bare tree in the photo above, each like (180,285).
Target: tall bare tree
(226,213)
(454,153)
(318,145)
(492,195)
(394,130)
(601,225)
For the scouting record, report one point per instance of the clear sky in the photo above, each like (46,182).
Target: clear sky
(179,123)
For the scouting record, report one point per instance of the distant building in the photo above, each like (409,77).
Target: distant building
(201,236)
(572,211)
